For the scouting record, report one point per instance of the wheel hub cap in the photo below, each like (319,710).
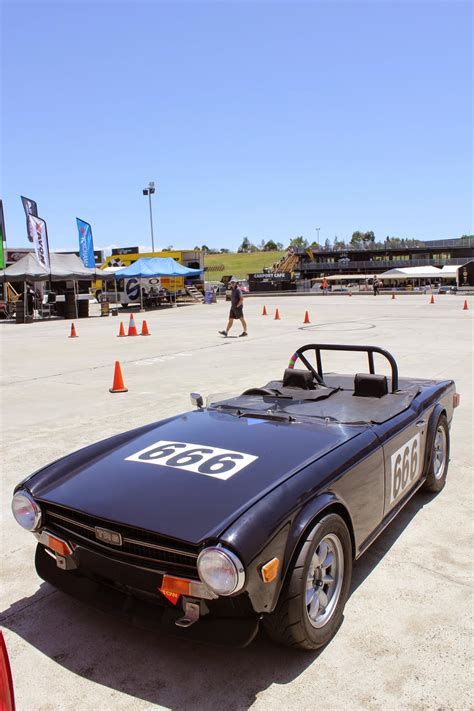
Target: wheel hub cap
(324,580)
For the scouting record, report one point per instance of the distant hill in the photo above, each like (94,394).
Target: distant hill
(239,265)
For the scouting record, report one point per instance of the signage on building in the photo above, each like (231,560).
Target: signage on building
(125,250)
(275,276)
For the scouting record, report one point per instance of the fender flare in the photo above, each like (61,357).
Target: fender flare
(304,521)
(430,435)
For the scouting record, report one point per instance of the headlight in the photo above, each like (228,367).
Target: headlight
(221,570)
(26,511)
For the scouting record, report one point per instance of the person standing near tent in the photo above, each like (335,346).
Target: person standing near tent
(236,309)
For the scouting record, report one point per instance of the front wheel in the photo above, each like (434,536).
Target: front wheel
(311,605)
(438,469)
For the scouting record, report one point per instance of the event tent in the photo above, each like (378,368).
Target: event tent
(156,267)
(63,267)
(412,273)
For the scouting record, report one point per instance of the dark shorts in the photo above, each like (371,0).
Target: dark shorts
(236,312)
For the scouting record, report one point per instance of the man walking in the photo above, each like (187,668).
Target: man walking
(236,309)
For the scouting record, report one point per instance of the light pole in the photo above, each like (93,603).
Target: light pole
(149,191)
(317,230)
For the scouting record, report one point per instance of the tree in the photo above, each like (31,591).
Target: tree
(197,248)
(224,250)
(270,246)
(315,245)
(205,248)
(338,243)
(169,248)
(245,246)
(279,246)
(299,242)
(261,245)
(327,245)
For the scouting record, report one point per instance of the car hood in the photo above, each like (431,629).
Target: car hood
(111,480)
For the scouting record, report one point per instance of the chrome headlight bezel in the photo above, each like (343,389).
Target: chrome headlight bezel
(227,557)
(24,498)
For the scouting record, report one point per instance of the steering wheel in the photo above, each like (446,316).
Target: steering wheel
(260,391)
(299,354)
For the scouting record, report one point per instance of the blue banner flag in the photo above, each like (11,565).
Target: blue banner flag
(86,245)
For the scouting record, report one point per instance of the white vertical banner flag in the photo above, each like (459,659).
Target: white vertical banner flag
(37,229)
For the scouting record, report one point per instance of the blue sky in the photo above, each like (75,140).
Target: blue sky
(261,119)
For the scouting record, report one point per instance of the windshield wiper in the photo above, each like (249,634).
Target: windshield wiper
(267,416)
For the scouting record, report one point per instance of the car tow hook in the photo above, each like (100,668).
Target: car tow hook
(191,615)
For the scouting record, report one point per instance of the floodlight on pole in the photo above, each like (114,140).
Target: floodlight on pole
(317,230)
(150,191)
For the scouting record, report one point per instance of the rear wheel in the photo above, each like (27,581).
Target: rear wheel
(438,469)
(310,609)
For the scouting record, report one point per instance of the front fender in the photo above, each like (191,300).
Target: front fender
(303,522)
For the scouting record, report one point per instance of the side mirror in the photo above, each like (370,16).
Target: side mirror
(196,400)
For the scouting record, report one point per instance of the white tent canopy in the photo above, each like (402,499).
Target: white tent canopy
(412,273)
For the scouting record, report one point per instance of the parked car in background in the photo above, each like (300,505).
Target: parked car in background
(447,289)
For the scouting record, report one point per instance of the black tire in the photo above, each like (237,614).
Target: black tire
(439,459)
(290,623)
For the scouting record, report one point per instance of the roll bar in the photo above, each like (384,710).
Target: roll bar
(370,350)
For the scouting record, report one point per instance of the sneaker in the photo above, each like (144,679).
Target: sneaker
(223,333)
(244,333)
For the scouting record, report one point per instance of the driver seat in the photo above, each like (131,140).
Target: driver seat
(301,379)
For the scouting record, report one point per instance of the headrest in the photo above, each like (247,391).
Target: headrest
(301,379)
(370,385)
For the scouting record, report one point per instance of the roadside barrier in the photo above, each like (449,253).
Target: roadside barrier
(73,333)
(132,329)
(118,384)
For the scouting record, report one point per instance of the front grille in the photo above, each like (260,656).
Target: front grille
(139,547)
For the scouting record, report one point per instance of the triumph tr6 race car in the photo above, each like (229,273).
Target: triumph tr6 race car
(249,510)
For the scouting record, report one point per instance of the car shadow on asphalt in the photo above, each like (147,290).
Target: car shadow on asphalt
(174,673)
(372,557)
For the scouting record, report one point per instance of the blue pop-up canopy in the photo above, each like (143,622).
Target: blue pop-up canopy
(156,267)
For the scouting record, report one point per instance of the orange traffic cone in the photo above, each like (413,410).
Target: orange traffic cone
(277,315)
(264,312)
(73,332)
(393,294)
(350,293)
(306,318)
(145,331)
(432,299)
(121,333)
(465,307)
(132,329)
(118,385)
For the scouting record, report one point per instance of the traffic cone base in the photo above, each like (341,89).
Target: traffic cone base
(306,318)
(277,315)
(132,329)
(465,307)
(121,333)
(73,333)
(145,331)
(264,312)
(118,384)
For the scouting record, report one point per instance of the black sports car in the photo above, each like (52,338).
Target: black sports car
(249,510)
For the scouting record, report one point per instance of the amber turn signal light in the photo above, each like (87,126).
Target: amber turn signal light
(269,570)
(58,545)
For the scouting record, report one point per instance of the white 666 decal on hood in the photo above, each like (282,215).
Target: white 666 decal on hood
(196,458)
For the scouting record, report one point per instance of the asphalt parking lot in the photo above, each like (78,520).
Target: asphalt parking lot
(405,642)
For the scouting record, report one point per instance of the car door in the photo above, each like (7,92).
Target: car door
(404,451)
